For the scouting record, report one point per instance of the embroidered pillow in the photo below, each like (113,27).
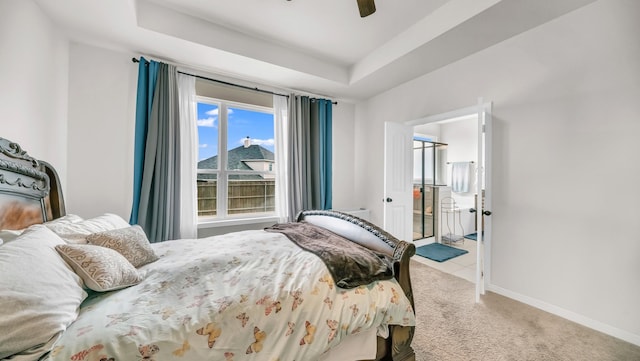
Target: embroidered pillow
(102,269)
(131,242)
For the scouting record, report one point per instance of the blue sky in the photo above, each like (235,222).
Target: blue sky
(241,123)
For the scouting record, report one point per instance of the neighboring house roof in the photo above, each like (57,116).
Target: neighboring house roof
(237,158)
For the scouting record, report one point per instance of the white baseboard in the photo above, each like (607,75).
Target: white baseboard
(569,315)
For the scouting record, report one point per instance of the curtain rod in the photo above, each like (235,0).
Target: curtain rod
(231,84)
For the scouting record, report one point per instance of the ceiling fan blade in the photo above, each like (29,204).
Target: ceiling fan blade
(366,7)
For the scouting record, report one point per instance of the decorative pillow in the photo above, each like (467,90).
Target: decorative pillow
(131,242)
(77,232)
(40,295)
(102,269)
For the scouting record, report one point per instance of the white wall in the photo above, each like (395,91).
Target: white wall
(33,82)
(102,92)
(566,127)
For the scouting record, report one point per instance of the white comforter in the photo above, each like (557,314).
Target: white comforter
(249,295)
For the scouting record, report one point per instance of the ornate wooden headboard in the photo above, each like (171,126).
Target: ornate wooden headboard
(30,190)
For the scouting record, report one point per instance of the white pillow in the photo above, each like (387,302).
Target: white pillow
(68,218)
(40,295)
(8,235)
(77,232)
(102,269)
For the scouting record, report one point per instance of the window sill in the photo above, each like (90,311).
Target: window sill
(236,221)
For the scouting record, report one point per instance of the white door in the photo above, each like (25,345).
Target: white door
(483,212)
(398,174)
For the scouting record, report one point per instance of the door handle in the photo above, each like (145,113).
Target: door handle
(486,213)
(389,199)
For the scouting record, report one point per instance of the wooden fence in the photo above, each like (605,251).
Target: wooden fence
(244,196)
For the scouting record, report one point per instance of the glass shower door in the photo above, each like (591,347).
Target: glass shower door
(423,178)
(429,171)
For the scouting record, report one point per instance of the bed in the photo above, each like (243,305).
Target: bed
(95,289)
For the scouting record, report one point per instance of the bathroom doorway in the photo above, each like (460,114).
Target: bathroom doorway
(482,133)
(397,180)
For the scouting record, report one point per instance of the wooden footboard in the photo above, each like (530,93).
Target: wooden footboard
(397,346)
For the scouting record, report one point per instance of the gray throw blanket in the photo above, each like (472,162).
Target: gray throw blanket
(350,264)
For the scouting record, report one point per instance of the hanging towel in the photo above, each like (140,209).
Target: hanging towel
(460,177)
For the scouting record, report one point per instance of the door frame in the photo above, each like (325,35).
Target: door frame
(483,112)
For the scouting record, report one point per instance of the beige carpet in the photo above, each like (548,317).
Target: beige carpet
(451,326)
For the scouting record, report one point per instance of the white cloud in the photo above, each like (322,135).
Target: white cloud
(214,112)
(203,145)
(212,120)
(209,122)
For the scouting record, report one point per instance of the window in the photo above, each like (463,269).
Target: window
(236,160)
